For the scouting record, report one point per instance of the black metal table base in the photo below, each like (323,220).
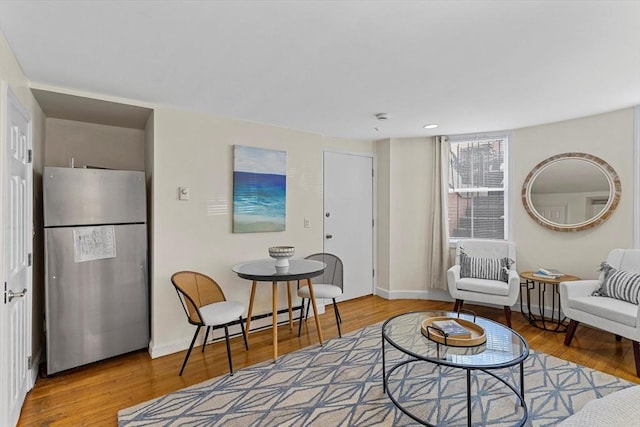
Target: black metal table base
(557,322)
(387,374)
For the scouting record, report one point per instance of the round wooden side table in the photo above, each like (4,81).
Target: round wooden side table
(556,322)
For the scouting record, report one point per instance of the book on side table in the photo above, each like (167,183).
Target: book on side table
(548,273)
(452,328)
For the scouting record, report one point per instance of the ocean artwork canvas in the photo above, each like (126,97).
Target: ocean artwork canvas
(259,189)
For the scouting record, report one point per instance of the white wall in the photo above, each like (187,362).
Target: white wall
(11,72)
(149,168)
(383,175)
(405,207)
(608,136)
(196,150)
(94,145)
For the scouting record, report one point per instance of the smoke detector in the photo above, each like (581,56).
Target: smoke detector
(382,116)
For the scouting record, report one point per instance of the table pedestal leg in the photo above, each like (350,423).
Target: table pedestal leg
(469,397)
(274,298)
(250,312)
(290,309)
(315,310)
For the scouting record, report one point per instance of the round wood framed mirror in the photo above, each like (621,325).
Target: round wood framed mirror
(571,192)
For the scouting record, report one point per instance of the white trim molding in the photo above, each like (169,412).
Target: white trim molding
(636,178)
(182,344)
(441,295)
(510,192)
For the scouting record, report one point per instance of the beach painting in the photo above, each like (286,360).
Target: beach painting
(259,189)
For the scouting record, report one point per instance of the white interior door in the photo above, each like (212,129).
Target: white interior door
(15,324)
(348,218)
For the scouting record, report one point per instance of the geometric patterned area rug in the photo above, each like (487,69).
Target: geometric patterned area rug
(340,384)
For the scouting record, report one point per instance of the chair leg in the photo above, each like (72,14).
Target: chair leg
(226,337)
(571,330)
(636,355)
(458,305)
(244,334)
(300,322)
(335,310)
(186,357)
(206,335)
(507,315)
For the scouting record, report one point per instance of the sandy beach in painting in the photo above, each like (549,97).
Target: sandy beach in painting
(253,227)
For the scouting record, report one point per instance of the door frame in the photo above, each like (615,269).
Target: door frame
(374,205)
(636,177)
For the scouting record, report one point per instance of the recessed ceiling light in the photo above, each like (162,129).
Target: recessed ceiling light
(431,126)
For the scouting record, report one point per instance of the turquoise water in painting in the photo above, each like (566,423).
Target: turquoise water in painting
(259,202)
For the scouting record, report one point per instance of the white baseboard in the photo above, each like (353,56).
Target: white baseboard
(443,295)
(429,294)
(218,334)
(265,323)
(35,367)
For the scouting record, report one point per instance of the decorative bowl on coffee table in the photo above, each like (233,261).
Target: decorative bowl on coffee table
(475,337)
(282,254)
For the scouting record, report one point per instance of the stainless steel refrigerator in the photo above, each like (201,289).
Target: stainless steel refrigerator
(96,291)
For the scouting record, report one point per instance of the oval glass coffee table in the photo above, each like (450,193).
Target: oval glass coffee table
(424,367)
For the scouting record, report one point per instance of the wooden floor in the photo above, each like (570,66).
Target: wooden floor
(93,394)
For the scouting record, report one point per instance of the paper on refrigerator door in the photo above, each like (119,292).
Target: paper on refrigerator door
(91,243)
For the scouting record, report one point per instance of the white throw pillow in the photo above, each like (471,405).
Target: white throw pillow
(619,284)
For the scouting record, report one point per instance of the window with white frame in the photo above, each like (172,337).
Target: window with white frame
(477,201)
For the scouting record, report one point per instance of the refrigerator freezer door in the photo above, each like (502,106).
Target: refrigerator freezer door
(93,196)
(95,309)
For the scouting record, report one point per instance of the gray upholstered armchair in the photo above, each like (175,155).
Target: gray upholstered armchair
(618,313)
(482,282)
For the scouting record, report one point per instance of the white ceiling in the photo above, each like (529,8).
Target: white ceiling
(328,67)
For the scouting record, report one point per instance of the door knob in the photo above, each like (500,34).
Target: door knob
(329,236)
(13,295)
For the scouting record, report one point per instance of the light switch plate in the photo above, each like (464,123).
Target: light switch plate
(183,193)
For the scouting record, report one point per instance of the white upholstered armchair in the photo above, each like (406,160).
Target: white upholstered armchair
(618,313)
(482,282)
